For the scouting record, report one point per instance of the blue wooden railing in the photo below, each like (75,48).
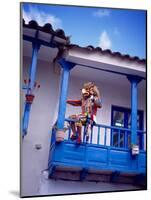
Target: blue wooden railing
(107,136)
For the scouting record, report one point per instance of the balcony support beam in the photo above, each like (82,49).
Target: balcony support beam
(51,171)
(32,75)
(134,80)
(114,176)
(83,174)
(66,66)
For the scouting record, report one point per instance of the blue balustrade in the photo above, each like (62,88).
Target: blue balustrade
(108,133)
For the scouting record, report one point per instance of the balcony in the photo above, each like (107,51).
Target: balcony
(107,156)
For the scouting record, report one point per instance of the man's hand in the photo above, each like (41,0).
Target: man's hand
(92,98)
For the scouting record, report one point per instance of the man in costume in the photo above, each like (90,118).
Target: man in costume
(90,102)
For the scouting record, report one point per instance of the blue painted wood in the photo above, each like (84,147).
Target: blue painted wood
(119,138)
(24,87)
(112,127)
(26,118)
(98,157)
(134,80)
(69,134)
(91,135)
(134,112)
(33,67)
(112,134)
(52,170)
(105,136)
(114,176)
(125,131)
(141,180)
(141,137)
(103,126)
(51,155)
(83,174)
(30,86)
(67,66)
(98,138)
(84,133)
(53,138)
(142,160)
(142,140)
(125,139)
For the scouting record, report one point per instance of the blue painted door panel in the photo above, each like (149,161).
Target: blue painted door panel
(98,156)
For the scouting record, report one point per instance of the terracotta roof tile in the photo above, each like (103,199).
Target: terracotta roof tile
(47,28)
(108,52)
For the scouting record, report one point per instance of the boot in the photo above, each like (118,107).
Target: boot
(73,128)
(87,138)
(79,140)
(73,137)
(88,132)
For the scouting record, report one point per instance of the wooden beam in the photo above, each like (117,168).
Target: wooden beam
(83,174)
(114,176)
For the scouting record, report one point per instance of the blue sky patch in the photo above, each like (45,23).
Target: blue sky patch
(116,29)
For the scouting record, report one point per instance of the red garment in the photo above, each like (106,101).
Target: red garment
(83,105)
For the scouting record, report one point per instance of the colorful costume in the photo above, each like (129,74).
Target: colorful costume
(89,103)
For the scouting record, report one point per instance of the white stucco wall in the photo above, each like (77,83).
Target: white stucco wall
(42,117)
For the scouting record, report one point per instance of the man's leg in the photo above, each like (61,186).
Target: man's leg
(73,128)
(79,128)
(88,132)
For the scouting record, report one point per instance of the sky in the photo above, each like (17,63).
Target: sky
(120,30)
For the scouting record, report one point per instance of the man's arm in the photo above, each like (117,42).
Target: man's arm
(96,101)
(97,98)
(74,102)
